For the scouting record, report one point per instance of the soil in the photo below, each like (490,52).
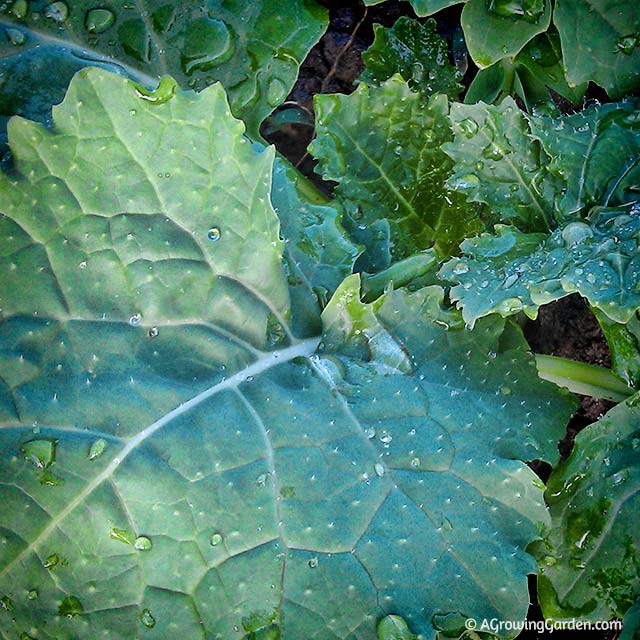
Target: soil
(565,328)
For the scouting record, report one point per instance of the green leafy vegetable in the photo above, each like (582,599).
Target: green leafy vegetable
(497,162)
(596,152)
(253,48)
(417,53)
(600,43)
(382,145)
(589,560)
(274,490)
(512,271)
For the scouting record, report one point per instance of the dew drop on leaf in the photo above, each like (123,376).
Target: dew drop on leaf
(276,92)
(214,234)
(626,44)
(19,9)
(97,448)
(16,37)
(57,11)
(313,563)
(33,594)
(163,93)
(379,469)
(469,127)
(6,603)
(98,20)
(70,607)
(216,539)
(208,43)
(142,543)
(153,332)
(41,452)
(51,561)
(135,319)
(576,232)
(147,619)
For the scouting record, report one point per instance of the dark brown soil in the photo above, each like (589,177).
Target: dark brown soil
(565,328)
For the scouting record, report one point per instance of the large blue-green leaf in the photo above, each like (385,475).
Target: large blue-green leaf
(254,48)
(596,153)
(175,463)
(600,42)
(512,271)
(382,145)
(589,560)
(417,53)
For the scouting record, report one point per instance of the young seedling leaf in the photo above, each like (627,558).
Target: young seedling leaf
(382,145)
(417,53)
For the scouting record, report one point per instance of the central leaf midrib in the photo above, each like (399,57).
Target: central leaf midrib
(302,349)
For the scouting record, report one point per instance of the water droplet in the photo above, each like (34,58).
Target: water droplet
(208,43)
(33,594)
(70,607)
(590,278)
(550,561)
(19,9)
(16,37)
(468,127)
(42,452)
(214,234)
(142,543)
(529,10)
(216,539)
(97,448)
(370,432)
(51,561)
(379,469)
(163,93)
(626,44)
(6,603)
(492,152)
(385,437)
(510,280)
(276,92)
(147,619)
(261,480)
(460,268)
(57,11)
(153,332)
(415,462)
(505,391)
(121,535)
(135,319)
(576,232)
(313,563)
(99,20)
(466,182)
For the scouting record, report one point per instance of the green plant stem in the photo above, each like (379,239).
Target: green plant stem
(585,379)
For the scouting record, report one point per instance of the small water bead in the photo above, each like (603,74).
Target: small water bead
(97,448)
(379,469)
(6,603)
(147,619)
(16,37)
(57,11)
(216,539)
(135,319)
(626,44)
(19,9)
(214,234)
(70,607)
(468,127)
(142,543)
(33,594)
(99,20)
(153,332)
(576,232)
(313,563)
